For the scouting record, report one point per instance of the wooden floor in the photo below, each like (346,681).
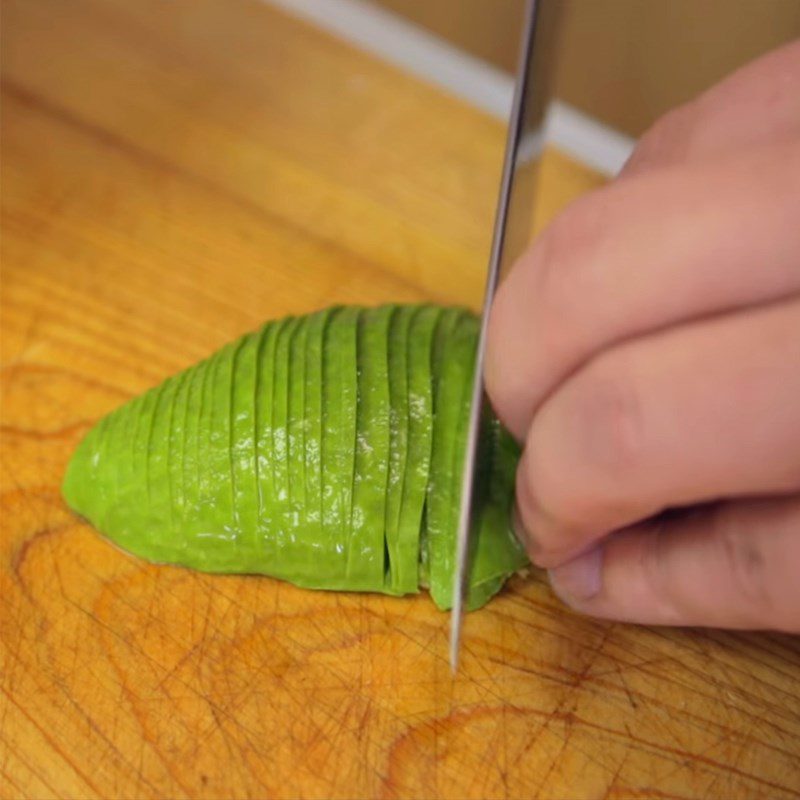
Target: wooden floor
(174,173)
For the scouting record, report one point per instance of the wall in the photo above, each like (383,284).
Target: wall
(622,61)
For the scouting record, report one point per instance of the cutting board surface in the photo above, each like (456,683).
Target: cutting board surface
(174,173)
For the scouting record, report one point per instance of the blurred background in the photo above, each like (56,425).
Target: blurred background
(618,66)
(624,62)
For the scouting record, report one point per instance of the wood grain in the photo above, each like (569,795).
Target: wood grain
(173,174)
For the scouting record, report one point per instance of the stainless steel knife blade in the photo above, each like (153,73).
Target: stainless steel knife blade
(512,231)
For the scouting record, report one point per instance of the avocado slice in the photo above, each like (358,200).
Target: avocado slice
(127,483)
(190,461)
(401,563)
(314,428)
(242,449)
(204,543)
(110,477)
(419,407)
(266,510)
(444,329)
(307,559)
(87,477)
(334,526)
(451,414)
(177,448)
(134,529)
(219,489)
(339,388)
(147,535)
(281,512)
(296,442)
(347,364)
(159,455)
(496,552)
(366,563)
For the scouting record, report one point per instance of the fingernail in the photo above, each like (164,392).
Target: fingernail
(579,580)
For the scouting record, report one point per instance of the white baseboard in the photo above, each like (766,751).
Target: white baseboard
(482,85)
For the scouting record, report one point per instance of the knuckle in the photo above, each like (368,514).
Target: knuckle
(666,141)
(745,560)
(608,419)
(660,586)
(588,438)
(539,309)
(576,231)
(565,285)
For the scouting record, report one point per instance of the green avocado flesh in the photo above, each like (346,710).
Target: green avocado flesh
(325,450)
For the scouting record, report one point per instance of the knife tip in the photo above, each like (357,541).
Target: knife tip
(454,657)
(455,631)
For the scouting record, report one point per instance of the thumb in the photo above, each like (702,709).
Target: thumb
(735,565)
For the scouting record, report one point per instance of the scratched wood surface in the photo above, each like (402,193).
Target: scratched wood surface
(173,174)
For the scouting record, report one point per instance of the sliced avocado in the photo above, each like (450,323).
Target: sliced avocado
(77,475)
(266,506)
(442,427)
(210,545)
(214,516)
(397,568)
(338,435)
(242,451)
(162,510)
(177,448)
(333,525)
(190,465)
(119,444)
(347,348)
(299,557)
(326,451)
(109,477)
(419,408)
(497,552)
(314,561)
(451,413)
(464,343)
(147,536)
(93,484)
(296,441)
(314,431)
(281,517)
(366,562)
(204,475)
(129,484)
(84,485)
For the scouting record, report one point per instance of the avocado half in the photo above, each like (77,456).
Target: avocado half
(325,450)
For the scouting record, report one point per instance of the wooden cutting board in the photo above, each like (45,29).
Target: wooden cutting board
(174,173)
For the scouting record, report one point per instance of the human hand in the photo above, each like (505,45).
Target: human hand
(647,351)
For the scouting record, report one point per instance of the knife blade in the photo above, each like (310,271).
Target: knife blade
(512,231)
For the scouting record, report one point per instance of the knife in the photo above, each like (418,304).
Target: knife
(512,231)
